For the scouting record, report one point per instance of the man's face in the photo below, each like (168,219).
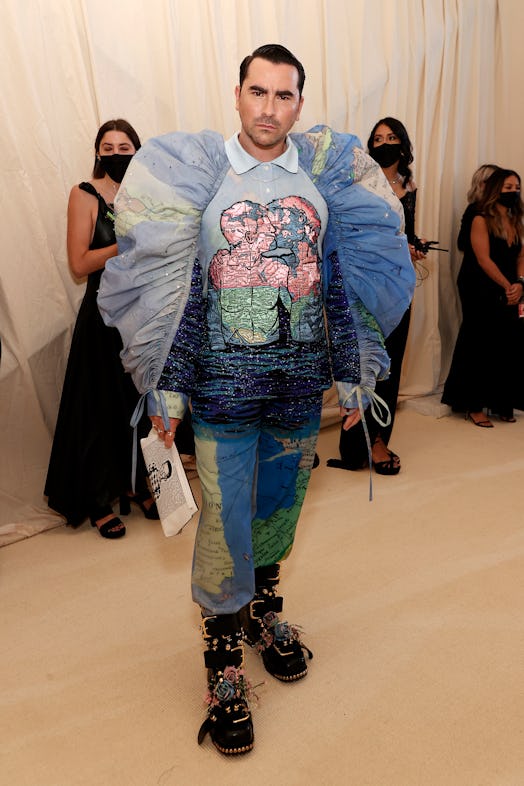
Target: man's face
(269,105)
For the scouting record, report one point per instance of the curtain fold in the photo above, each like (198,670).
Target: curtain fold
(450,72)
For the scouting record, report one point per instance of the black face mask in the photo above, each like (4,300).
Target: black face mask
(115,166)
(386,155)
(509,198)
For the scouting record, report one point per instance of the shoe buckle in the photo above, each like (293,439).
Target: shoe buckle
(203,625)
(252,605)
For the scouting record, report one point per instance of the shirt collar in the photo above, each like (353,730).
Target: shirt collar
(242,161)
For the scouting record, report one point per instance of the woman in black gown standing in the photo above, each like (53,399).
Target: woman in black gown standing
(485,369)
(90,463)
(389,144)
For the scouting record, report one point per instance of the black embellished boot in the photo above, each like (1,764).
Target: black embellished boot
(228,718)
(278,642)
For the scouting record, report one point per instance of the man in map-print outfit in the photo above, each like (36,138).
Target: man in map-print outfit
(234,255)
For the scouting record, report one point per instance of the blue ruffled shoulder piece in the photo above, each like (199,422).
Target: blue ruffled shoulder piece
(365,226)
(144,290)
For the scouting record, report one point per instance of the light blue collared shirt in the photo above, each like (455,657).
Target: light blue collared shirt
(242,161)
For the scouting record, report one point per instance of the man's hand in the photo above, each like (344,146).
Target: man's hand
(352,416)
(168,436)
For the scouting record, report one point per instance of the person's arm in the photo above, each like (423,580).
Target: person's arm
(520,263)
(480,245)
(150,290)
(356,389)
(82,211)
(520,273)
(367,270)
(416,254)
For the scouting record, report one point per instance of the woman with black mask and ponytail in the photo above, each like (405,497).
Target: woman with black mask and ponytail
(485,372)
(390,146)
(91,457)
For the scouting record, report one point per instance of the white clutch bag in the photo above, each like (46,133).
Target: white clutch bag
(169,484)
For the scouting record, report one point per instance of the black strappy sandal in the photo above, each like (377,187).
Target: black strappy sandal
(389,466)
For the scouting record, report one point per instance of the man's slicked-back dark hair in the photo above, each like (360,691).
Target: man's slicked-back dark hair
(277,54)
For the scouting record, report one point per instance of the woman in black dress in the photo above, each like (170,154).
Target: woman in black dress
(90,463)
(389,144)
(485,369)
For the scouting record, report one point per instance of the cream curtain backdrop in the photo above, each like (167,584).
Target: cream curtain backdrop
(450,69)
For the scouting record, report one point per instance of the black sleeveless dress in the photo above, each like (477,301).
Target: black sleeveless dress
(90,463)
(485,369)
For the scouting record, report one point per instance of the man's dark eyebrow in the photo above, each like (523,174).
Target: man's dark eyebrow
(257,89)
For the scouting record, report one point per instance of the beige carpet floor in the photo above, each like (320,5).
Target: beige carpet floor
(412,604)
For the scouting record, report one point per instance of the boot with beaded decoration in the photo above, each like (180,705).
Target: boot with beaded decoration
(278,642)
(228,719)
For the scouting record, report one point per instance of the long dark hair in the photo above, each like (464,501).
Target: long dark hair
(406,148)
(488,205)
(113,125)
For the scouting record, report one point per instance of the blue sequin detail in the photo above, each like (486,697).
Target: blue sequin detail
(180,369)
(343,340)
(292,371)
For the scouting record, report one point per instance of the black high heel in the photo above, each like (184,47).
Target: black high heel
(483,422)
(108,530)
(506,416)
(390,466)
(150,512)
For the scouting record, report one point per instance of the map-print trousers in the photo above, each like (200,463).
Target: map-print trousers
(254,462)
